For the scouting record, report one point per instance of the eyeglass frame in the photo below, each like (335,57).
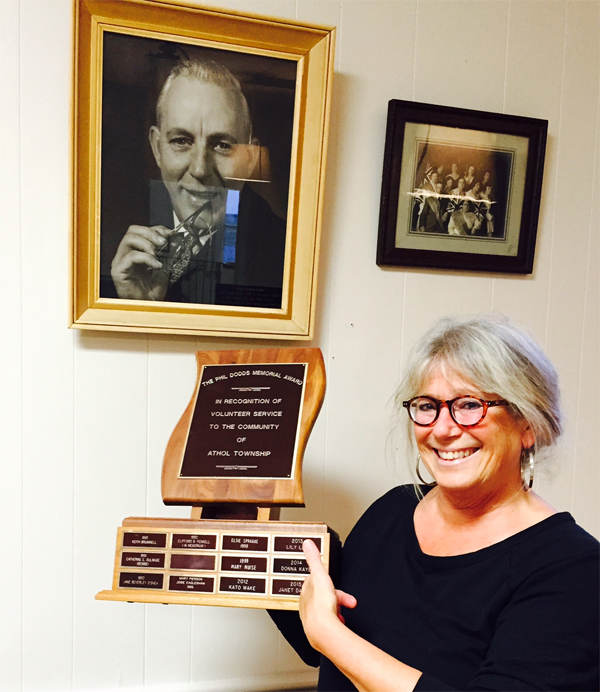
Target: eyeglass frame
(449,403)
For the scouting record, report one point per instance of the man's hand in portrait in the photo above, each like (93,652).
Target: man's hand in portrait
(137,272)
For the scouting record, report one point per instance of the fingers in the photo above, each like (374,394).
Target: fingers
(313,556)
(136,270)
(345,599)
(139,246)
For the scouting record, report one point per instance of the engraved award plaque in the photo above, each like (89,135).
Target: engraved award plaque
(235,456)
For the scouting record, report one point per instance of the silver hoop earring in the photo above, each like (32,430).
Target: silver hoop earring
(527,467)
(419,473)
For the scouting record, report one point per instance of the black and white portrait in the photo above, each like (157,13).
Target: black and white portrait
(196,155)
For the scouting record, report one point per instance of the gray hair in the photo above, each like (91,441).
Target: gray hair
(496,357)
(209,72)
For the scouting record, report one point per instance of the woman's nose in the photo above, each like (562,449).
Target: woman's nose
(445,424)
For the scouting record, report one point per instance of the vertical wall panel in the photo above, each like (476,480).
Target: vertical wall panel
(111,395)
(533,89)
(587,434)
(365,325)
(47,348)
(575,173)
(171,380)
(11,453)
(461,50)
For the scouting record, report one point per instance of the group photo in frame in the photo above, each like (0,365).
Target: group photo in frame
(460,189)
(198,159)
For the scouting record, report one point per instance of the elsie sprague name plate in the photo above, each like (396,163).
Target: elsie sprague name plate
(246,421)
(235,563)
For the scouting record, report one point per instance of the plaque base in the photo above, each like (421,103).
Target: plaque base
(239,563)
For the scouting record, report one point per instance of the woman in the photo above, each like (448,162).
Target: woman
(469,177)
(449,187)
(488,199)
(474,192)
(454,174)
(477,584)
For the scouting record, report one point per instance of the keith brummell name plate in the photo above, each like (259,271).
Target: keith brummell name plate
(246,421)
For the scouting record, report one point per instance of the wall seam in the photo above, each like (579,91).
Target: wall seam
(147,456)
(506,53)
(557,168)
(325,408)
(508,8)
(415,50)
(19,203)
(585,295)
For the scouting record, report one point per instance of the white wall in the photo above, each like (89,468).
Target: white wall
(85,417)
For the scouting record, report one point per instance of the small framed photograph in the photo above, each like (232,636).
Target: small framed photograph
(461,189)
(199,141)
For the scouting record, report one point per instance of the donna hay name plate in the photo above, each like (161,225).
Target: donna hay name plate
(246,422)
(224,563)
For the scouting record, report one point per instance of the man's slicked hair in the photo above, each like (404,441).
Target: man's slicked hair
(209,72)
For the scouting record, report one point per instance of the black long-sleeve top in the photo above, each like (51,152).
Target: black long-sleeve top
(522,614)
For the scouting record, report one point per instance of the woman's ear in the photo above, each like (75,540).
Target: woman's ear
(528,438)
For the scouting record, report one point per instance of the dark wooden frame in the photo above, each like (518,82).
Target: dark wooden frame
(402,112)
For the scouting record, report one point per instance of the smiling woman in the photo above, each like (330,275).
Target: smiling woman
(473,583)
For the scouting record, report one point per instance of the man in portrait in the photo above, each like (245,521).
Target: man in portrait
(210,239)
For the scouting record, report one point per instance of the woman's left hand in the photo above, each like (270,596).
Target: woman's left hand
(320,601)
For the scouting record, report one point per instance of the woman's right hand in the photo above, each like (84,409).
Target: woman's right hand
(320,601)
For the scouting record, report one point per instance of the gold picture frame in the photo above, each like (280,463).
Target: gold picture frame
(123,51)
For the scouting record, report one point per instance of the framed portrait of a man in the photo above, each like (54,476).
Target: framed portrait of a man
(199,154)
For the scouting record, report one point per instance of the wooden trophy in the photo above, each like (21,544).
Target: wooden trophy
(235,456)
